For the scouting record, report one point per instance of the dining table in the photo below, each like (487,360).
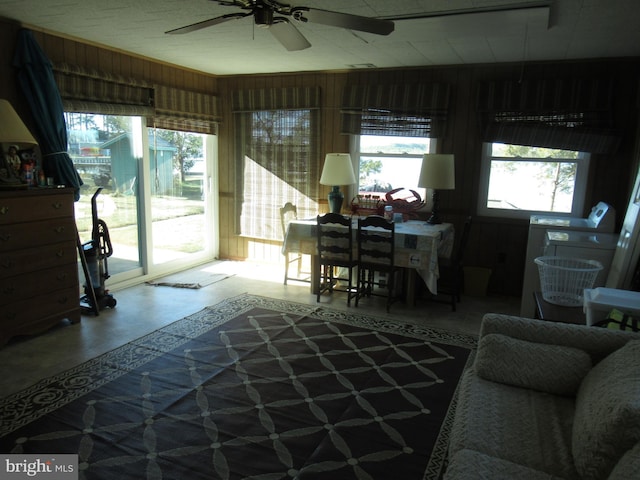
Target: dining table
(418,247)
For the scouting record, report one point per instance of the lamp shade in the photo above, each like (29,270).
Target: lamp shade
(12,130)
(337,170)
(438,171)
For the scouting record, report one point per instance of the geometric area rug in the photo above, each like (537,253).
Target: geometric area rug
(252,388)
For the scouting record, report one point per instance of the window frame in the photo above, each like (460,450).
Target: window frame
(579,193)
(141,192)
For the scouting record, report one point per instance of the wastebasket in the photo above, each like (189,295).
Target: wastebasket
(476,281)
(564,279)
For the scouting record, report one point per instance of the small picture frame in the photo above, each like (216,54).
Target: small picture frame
(13,159)
(8,176)
(4,170)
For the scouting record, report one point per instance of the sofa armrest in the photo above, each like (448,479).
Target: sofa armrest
(597,342)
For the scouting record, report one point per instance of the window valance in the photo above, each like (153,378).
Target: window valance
(92,91)
(291,98)
(177,109)
(410,110)
(570,114)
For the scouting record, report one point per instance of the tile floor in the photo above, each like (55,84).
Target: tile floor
(142,309)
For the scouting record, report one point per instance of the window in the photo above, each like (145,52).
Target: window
(518,180)
(385,163)
(278,165)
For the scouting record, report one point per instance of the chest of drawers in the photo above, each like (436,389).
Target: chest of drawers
(38,261)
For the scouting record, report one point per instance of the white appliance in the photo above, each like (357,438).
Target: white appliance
(625,260)
(602,218)
(598,302)
(592,245)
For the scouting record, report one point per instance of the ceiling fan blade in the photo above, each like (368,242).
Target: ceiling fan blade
(246,4)
(344,20)
(208,23)
(288,35)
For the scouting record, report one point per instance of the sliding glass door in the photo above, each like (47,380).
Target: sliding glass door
(152,188)
(180,189)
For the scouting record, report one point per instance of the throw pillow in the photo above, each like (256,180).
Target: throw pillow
(547,368)
(607,419)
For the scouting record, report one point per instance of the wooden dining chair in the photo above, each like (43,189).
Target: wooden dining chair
(335,255)
(451,279)
(288,213)
(376,245)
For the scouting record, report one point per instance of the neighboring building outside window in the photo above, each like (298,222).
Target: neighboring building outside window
(518,181)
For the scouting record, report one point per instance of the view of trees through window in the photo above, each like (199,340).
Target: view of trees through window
(532,178)
(92,138)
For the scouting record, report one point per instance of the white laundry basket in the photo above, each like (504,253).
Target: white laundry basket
(564,279)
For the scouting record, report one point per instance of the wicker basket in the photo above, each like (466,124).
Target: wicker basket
(564,279)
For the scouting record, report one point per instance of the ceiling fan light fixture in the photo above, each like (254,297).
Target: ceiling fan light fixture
(263,16)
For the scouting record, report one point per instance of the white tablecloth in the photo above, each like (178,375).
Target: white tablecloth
(417,245)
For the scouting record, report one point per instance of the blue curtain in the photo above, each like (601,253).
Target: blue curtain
(37,83)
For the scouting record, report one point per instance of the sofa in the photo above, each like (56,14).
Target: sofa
(548,400)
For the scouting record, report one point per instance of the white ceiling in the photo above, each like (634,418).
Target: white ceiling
(566,29)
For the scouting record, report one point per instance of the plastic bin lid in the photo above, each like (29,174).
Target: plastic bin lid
(612,298)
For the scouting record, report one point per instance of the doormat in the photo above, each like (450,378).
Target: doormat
(190,279)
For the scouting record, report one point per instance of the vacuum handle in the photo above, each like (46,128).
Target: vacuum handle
(94,216)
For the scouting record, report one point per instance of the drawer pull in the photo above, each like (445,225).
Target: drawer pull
(10,315)
(9,290)
(59,229)
(60,253)
(5,237)
(62,276)
(57,205)
(63,300)
(7,264)
(4,210)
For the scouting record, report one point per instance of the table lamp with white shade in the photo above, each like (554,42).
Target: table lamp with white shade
(337,171)
(437,173)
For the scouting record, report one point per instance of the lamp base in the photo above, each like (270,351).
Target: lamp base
(335,199)
(434,219)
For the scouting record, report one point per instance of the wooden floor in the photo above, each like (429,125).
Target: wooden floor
(144,308)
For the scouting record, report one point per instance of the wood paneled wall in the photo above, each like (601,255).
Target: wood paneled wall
(70,51)
(498,244)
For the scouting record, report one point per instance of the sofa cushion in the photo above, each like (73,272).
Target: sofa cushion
(628,466)
(546,368)
(471,465)
(523,426)
(607,418)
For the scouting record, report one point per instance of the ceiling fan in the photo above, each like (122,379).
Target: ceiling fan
(277,17)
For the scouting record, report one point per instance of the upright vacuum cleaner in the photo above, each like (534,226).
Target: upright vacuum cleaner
(96,252)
